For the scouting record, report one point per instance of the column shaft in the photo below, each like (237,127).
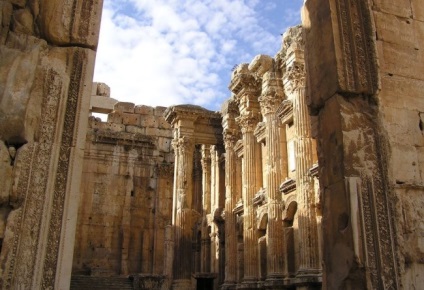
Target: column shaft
(308,232)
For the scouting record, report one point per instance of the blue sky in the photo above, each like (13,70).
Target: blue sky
(165,52)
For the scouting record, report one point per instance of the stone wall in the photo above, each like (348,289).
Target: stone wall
(47,53)
(364,64)
(126,193)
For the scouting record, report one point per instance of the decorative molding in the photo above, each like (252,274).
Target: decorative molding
(288,186)
(260,132)
(260,197)
(285,112)
(294,77)
(358,73)
(165,170)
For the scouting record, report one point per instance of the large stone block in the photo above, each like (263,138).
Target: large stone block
(417,9)
(73,22)
(404,164)
(396,7)
(124,107)
(396,59)
(401,92)
(131,119)
(143,110)
(397,30)
(333,65)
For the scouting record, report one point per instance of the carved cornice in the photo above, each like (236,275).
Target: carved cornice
(261,64)
(313,171)
(238,148)
(260,131)
(123,138)
(285,111)
(238,210)
(245,83)
(288,186)
(260,197)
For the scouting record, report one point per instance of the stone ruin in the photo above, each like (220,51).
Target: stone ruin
(248,207)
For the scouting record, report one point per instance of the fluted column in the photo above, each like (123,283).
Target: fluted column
(248,122)
(206,204)
(272,94)
(230,217)
(308,232)
(184,214)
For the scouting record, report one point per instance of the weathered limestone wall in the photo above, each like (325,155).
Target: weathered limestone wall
(47,53)
(365,78)
(126,193)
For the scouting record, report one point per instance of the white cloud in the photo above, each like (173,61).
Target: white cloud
(163,52)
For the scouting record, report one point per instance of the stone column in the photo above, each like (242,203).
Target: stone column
(230,217)
(248,122)
(231,135)
(184,214)
(206,183)
(271,97)
(306,214)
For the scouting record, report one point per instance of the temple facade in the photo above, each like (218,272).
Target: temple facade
(254,216)
(310,177)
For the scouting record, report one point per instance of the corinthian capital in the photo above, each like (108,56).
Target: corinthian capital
(185,144)
(247,122)
(294,77)
(230,138)
(272,93)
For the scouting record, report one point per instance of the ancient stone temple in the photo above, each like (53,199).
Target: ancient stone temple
(257,218)
(310,176)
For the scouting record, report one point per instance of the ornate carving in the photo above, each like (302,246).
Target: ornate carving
(247,122)
(272,93)
(355,40)
(70,122)
(185,144)
(165,170)
(295,77)
(36,190)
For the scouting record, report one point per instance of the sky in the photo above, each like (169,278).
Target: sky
(168,52)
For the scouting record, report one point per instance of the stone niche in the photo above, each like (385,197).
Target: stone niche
(126,192)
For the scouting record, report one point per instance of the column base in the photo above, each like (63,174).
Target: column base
(248,284)
(229,286)
(275,283)
(182,284)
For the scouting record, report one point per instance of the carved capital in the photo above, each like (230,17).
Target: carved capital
(230,139)
(185,144)
(206,158)
(294,77)
(247,122)
(272,93)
